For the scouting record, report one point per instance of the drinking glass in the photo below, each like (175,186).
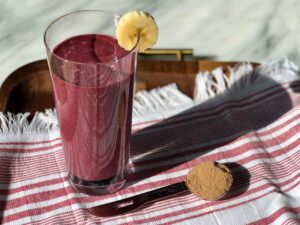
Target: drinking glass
(93,98)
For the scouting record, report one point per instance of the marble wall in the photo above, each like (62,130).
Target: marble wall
(251,30)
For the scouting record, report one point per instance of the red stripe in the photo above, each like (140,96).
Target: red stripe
(190,115)
(216,156)
(272,218)
(136,176)
(77,216)
(237,102)
(81,216)
(249,192)
(18,202)
(156,218)
(91,219)
(32,176)
(198,208)
(255,169)
(50,167)
(20,151)
(196,130)
(161,184)
(203,149)
(199,134)
(30,142)
(38,211)
(230,153)
(256,178)
(32,186)
(278,165)
(33,160)
(280,126)
(50,164)
(38,197)
(291,221)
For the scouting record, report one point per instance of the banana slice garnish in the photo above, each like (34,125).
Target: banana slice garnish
(134,25)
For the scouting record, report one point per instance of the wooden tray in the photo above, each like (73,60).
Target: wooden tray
(29,88)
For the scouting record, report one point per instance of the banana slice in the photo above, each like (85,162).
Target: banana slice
(134,24)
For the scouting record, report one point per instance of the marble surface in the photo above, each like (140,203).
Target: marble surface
(251,30)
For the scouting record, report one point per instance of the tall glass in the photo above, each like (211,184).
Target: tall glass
(92,79)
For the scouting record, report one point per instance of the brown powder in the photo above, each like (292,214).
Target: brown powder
(209,180)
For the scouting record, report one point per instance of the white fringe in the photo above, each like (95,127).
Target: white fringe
(159,103)
(18,128)
(244,79)
(165,101)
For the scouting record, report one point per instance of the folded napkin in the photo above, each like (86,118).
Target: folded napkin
(249,120)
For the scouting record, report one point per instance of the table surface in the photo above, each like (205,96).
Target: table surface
(226,30)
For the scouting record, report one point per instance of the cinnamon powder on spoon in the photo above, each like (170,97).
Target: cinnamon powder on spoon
(209,180)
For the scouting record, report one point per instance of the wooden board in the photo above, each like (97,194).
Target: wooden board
(29,88)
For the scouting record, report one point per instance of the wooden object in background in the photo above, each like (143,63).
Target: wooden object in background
(29,88)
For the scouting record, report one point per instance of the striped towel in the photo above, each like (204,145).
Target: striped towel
(250,121)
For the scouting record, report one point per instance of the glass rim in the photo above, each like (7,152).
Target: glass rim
(97,63)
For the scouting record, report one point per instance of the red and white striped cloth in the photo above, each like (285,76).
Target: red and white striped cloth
(254,130)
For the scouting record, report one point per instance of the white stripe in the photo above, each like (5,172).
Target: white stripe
(285,216)
(263,207)
(76,206)
(258,182)
(161,177)
(33,136)
(33,218)
(279,132)
(189,198)
(32,175)
(186,207)
(66,184)
(41,204)
(178,173)
(151,179)
(266,137)
(36,190)
(33,181)
(30,154)
(30,146)
(221,149)
(227,214)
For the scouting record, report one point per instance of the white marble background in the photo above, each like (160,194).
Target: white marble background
(251,30)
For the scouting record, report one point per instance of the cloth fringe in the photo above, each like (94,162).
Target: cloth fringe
(20,127)
(167,101)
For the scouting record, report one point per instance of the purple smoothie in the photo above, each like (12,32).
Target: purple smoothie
(93,96)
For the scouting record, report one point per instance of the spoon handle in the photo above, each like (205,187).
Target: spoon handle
(132,203)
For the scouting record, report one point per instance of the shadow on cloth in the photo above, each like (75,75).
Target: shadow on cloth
(184,140)
(295,86)
(241,180)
